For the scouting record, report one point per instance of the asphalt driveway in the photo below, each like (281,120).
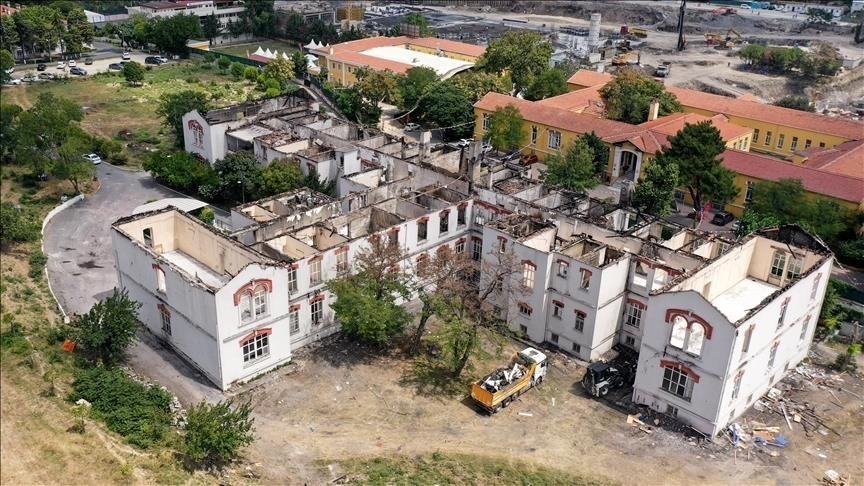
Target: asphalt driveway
(81,270)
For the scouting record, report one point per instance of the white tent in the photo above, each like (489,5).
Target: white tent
(269,54)
(311,45)
(259,52)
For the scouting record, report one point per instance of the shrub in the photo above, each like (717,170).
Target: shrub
(846,361)
(215,433)
(14,341)
(209,57)
(237,69)
(37,264)
(207,215)
(180,170)
(223,62)
(108,328)
(251,74)
(138,412)
(17,225)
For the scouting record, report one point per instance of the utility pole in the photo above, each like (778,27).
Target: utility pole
(681,42)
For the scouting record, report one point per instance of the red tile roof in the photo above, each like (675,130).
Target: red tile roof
(846,158)
(448,45)
(586,100)
(350,51)
(673,123)
(818,181)
(584,77)
(769,113)
(554,117)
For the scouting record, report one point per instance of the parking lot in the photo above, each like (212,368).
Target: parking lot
(99,65)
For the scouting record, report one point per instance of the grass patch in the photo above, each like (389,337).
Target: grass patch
(457,469)
(139,413)
(240,49)
(37,264)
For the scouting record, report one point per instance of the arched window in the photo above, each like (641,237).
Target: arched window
(252,300)
(679,332)
(197,133)
(694,341)
(160,279)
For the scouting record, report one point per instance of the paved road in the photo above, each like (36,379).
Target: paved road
(81,270)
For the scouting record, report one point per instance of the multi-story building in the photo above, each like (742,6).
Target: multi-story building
(224,10)
(396,54)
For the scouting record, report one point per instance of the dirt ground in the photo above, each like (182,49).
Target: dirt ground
(340,400)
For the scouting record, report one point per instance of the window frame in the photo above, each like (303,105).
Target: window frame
(794,144)
(315,277)
(292,278)
(562,269)
(486,121)
(584,279)
(525,310)
(556,136)
(534,131)
(778,264)
(476,249)
(422,230)
(781,139)
(755,135)
(165,318)
(772,357)
(342,261)
(294,320)
(258,349)
(444,222)
(768,138)
(679,380)
(529,271)
(633,314)
(316,307)
(579,321)
(557,310)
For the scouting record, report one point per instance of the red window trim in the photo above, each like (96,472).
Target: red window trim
(529,263)
(558,303)
(294,307)
(523,304)
(316,298)
(156,266)
(342,249)
(580,313)
(585,270)
(637,303)
(293,266)
(251,286)
(501,238)
(444,213)
(163,309)
(561,260)
(316,258)
(690,317)
(394,229)
(680,367)
(258,332)
(463,205)
(423,219)
(460,240)
(476,238)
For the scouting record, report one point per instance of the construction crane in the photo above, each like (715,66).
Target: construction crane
(681,42)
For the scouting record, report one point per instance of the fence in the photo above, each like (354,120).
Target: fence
(230,57)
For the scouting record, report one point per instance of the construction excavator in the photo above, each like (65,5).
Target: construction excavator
(722,41)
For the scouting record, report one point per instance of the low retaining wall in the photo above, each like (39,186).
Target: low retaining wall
(54,212)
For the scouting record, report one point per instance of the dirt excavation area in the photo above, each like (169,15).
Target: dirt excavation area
(341,401)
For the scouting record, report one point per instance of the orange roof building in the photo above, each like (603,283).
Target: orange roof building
(397,54)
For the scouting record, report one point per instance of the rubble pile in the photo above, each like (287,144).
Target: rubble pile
(502,378)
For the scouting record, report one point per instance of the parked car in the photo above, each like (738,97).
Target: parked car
(95,159)
(47,76)
(464,142)
(61,65)
(127,56)
(152,60)
(412,127)
(162,59)
(487,148)
(88,60)
(14,81)
(736,225)
(722,218)
(72,63)
(41,67)
(29,78)
(512,155)
(116,66)
(77,71)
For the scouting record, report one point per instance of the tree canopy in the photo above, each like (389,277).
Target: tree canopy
(279,176)
(414,84)
(628,95)
(42,130)
(418,19)
(378,86)
(655,192)
(695,150)
(211,27)
(574,170)
(108,328)
(446,107)
(216,432)
(550,82)
(173,106)
(475,84)
(133,72)
(801,103)
(505,128)
(170,34)
(237,178)
(524,54)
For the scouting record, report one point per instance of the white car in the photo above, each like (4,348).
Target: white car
(14,81)
(61,65)
(72,63)
(162,59)
(95,159)
(465,142)
(127,56)
(412,127)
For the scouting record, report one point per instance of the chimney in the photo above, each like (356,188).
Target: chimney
(653,110)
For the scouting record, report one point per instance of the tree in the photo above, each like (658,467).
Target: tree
(8,129)
(70,163)
(259,18)
(108,328)
(211,27)
(575,169)
(42,129)
(77,32)
(694,149)
(215,433)
(629,94)
(8,33)
(133,72)
(251,73)
(281,69)
(6,62)
(801,103)
(505,128)
(237,176)
(440,277)
(378,86)
(237,69)
(223,62)
(475,84)
(414,84)
(300,64)
(173,106)
(366,300)
(656,190)
(17,225)
(39,28)
(419,20)
(350,34)
(550,82)
(279,176)
(600,151)
(180,170)
(170,34)
(522,53)
(444,106)
(356,108)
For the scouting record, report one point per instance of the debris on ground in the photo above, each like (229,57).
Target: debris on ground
(833,478)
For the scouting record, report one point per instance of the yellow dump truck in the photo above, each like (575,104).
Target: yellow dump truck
(497,389)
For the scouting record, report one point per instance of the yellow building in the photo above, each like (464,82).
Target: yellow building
(396,54)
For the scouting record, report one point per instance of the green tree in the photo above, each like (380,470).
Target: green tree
(505,128)
(600,151)
(421,22)
(300,64)
(215,433)
(751,221)
(6,62)
(237,69)
(819,16)
(444,106)
(39,28)
(522,53)
(77,31)
(173,106)
(70,163)
(801,103)
(8,129)
(237,177)
(378,86)
(575,169)
(752,53)
(356,108)
(695,150)
(259,18)
(42,129)
(475,84)
(280,69)
(180,170)
(133,72)
(629,94)
(414,84)
(108,328)
(170,34)
(251,73)
(279,176)
(367,301)
(206,215)
(211,27)
(550,82)
(223,62)
(8,33)
(656,190)
(17,225)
